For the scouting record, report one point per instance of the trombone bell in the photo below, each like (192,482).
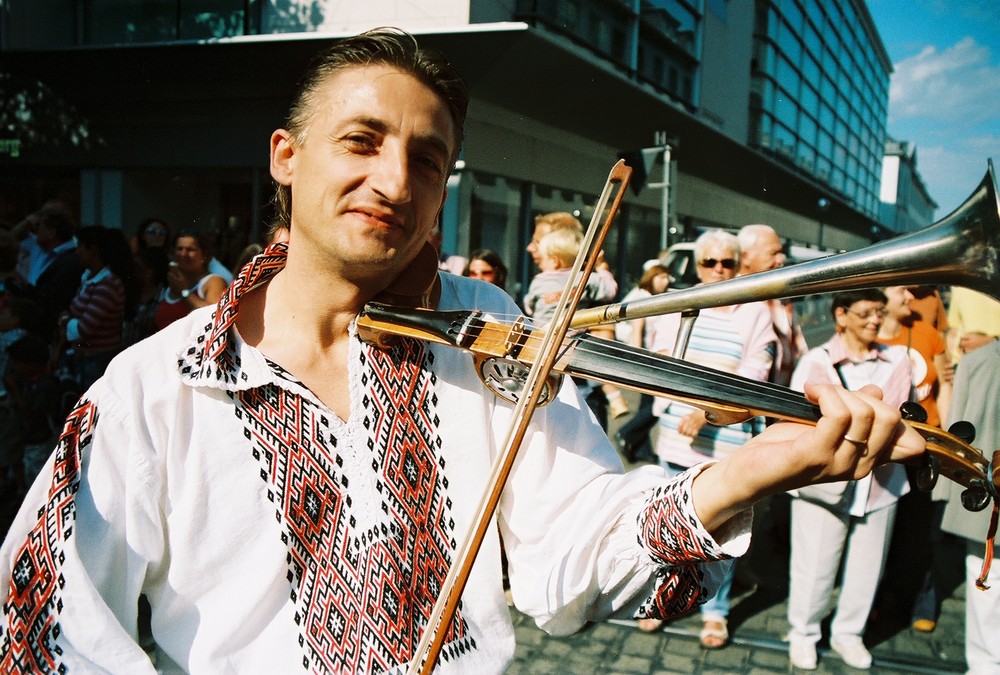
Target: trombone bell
(961,249)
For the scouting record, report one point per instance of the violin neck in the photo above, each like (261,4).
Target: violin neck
(726,397)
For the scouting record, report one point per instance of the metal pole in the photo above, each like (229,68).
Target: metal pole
(665,205)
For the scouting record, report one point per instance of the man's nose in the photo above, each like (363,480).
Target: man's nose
(390,175)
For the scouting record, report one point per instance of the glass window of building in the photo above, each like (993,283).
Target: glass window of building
(828,43)
(128,21)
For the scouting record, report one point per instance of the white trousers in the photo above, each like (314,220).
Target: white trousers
(982,614)
(821,540)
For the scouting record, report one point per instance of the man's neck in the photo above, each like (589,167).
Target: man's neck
(890,328)
(316,309)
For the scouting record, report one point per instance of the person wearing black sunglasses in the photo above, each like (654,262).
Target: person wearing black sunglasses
(737,339)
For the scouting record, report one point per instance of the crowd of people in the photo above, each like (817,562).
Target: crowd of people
(72,298)
(280,494)
(839,533)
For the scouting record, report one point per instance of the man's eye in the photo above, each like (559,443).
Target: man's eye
(431,162)
(359,143)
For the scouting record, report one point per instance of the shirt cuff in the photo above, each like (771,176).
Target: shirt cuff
(673,534)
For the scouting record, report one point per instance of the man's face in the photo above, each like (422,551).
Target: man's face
(368,179)
(45,237)
(541,229)
(766,254)
(898,298)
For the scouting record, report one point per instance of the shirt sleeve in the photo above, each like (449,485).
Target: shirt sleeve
(759,340)
(74,560)
(814,366)
(586,542)
(601,287)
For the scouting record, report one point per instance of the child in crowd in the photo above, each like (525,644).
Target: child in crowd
(557,251)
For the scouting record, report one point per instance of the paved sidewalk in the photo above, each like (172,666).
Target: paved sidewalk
(757,622)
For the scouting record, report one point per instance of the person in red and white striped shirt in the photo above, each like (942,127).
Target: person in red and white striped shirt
(92,328)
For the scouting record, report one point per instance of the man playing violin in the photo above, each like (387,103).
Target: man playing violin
(289,497)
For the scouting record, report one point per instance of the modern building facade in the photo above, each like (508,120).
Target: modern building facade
(905,203)
(772,111)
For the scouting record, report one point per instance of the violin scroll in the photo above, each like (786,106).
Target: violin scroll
(950,453)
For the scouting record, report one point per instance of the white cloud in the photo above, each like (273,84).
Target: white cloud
(958,85)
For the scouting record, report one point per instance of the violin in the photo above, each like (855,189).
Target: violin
(501,354)
(524,365)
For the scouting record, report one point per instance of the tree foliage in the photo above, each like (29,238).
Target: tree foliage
(35,116)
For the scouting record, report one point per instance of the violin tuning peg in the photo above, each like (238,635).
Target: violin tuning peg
(963,430)
(913,412)
(975,497)
(927,475)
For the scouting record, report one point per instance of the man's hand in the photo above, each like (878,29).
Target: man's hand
(972,341)
(856,433)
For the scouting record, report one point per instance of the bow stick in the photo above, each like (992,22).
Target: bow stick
(444,609)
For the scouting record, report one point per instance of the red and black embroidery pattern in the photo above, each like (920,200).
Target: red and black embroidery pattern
(674,542)
(34,598)
(366,520)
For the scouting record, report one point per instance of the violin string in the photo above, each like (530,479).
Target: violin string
(626,354)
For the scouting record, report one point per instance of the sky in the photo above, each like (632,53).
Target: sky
(944,92)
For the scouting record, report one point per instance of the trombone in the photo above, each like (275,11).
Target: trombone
(961,249)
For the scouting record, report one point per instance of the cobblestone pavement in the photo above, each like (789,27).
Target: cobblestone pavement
(757,627)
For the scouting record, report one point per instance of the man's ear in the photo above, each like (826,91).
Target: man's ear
(282,156)
(444,198)
(840,317)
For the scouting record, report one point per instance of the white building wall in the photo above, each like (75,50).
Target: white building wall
(890,179)
(340,16)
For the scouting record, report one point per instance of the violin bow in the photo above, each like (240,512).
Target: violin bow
(454,583)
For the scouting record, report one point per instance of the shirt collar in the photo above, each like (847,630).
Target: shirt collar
(89,277)
(837,349)
(68,245)
(212,354)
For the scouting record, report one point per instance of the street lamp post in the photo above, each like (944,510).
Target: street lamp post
(665,144)
(823,204)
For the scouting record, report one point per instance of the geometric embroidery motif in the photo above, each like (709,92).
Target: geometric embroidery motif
(672,539)
(366,518)
(34,599)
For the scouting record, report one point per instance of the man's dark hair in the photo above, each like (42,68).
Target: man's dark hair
(112,246)
(382,46)
(848,298)
(59,219)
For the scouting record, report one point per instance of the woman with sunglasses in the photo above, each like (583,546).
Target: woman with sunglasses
(152,233)
(850,520)
(736,339)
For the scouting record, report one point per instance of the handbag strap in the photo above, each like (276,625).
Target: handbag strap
(836,367)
